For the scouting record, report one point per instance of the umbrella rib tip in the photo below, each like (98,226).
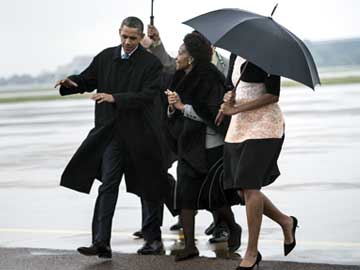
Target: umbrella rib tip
(273,11)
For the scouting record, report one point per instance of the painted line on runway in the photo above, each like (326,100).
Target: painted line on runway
(176,236)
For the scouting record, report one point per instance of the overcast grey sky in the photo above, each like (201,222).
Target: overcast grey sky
(39,35)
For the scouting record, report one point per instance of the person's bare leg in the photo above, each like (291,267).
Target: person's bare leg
(254,211)
(286,222)
(272,212)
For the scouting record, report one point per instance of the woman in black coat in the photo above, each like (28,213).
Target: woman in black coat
(196,93)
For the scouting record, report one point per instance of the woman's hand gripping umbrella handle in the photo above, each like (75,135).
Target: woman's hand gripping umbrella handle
(229,97)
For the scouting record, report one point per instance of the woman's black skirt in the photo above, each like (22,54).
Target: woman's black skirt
(196,190)
(251,164)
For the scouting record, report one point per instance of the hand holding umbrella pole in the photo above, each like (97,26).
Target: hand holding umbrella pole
(220,116)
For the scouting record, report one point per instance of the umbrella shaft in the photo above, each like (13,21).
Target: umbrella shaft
(152,13)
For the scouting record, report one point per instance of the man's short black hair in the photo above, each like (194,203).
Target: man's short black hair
(133,22)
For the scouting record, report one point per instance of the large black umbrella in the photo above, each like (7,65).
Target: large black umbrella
(260,40)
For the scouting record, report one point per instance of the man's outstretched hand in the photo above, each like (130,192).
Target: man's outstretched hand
(66,83)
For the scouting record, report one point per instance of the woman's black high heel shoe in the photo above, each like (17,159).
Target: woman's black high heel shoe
(258,260)
(289,247)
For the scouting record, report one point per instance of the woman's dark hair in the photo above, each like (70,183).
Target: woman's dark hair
(198,47)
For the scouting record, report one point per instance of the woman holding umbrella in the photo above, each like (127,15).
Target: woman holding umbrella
(197,92)
(256,133)
(252,146)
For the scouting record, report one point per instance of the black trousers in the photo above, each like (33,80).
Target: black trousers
(152,213)
(113,165)
(152,217)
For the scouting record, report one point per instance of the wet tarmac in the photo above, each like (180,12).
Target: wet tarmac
(34,259)
(320,181)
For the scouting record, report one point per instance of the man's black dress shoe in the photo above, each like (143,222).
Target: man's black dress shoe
(101,251)
(186,254)
(152,248)
(219,235)
(176,227)
(138,234)
(210,230)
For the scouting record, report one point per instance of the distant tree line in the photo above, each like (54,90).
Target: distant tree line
(74,67)
(345,52)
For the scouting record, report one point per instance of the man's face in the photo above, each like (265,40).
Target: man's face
(130,38)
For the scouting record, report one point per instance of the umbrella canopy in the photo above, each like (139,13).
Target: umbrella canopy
(260,40)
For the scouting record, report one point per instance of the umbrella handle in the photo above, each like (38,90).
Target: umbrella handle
(219,118)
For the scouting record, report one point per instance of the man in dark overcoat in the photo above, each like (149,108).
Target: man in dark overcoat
(126,138)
